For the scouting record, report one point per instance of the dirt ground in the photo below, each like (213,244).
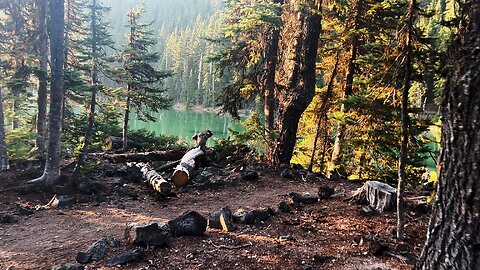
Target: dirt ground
(331,234)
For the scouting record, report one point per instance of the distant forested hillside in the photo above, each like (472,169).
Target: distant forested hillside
(181,28)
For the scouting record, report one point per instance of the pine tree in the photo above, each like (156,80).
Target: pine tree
(94,59)
(51,174)
(3,146)
(144,83)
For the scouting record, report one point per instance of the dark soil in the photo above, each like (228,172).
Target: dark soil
(331,234)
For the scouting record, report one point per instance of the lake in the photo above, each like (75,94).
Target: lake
(185,123)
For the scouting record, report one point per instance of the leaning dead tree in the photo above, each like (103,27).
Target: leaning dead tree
(183,170)
(378,195)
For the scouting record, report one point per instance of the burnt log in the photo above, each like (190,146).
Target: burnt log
(190,223)
(146,234)
(153,178)
(222,220)
(186,166)
(378,195)
(170,155)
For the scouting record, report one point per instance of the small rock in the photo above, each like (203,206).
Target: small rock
(60,201)
(7,218)
(68,266)
(125,257)
(325,192)
(307,198)
(146,235)
(97,251)
(222,220)
(286,237)
(250,175)
(283,207)
(261,214)
(378,249)
(190,223)
(287,174)
(244,216)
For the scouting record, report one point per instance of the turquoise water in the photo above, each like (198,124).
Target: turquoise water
(184,124)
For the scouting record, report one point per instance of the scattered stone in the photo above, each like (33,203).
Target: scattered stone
(244,216)
(7,218)
(222,220)
(321,258)
(97,251)
(325,192)
(307,198)
(287,174)
(250,175)
(190,223)
(60,201)
(286,237)
(23,211)
(146,235)
(119,182)
(125,257)
(378,249)
(68,266)
(271,212)
(261,214)
(366,210)
(283,207)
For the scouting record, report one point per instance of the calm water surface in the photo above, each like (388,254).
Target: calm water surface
(186,123)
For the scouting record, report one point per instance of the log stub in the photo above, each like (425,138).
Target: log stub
(378,195)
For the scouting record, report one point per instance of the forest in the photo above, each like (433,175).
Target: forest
(353,140)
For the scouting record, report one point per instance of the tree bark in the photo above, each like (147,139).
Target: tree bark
(3,147)
(453,239)
(125,122)
(51,173)
(42,77)
(268,83)
(348,89)
(295,75)
(323,110)
(142,157)
(402,176)
(94,83)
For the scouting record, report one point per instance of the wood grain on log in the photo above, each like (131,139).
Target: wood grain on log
(183,170)
(153,178)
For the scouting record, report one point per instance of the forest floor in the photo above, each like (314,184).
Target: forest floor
(331,234)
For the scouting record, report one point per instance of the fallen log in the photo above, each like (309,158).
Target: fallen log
(116,143)
(378,195)
(142,157)
(183,170)
(153,178)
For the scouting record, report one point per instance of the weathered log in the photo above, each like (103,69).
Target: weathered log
(190,223)
(378,195)
(153,178)
(146,234)
(142,157)
(183,170)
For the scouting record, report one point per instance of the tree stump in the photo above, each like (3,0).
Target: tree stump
(378,195)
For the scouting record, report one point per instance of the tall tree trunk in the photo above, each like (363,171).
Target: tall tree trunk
(295,74)
(125,121)
(3,147)
(348,89)
(453,239)
(94,84)
(323,110)
(402,177)
(42,77)
(199,80)
(56,28)
(268,82)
